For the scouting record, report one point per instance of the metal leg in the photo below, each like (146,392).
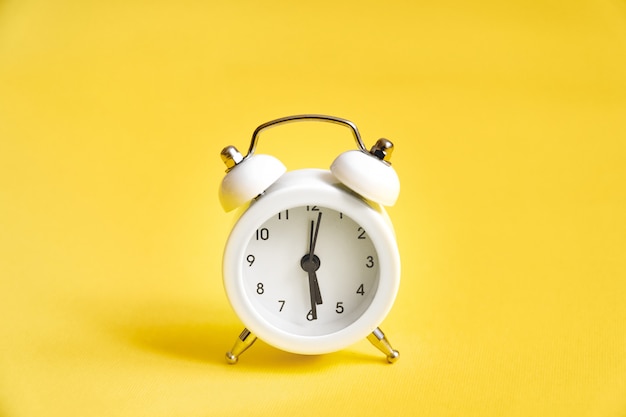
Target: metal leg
(378,339)
(243,342)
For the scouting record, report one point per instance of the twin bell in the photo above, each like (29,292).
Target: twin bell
(368,173)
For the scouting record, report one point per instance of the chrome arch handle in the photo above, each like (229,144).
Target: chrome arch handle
(305,117)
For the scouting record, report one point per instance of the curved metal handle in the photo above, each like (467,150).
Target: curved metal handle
(300,117)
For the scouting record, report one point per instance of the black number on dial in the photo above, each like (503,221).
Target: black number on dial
(360,290)
(262,234)
(361,233)
(339,309)
(309,316)
(259,288)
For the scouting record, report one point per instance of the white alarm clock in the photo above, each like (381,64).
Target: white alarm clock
(311,265)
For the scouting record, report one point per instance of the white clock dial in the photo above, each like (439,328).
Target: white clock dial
(310,295)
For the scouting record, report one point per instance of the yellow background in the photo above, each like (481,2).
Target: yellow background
(509,120)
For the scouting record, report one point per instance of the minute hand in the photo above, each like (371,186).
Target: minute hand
(313,291)
(311,263)
(316,287)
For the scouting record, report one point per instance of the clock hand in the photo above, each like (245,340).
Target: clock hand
(311,263)
(314,235)
(316,287)
(315,259)
(312,292)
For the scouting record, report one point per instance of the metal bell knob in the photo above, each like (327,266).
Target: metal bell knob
(382,149)
(246,177)
(231,157)
(369,174)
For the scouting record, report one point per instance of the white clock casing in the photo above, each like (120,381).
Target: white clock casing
(293,333)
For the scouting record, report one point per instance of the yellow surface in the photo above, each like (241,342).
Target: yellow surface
(509,120)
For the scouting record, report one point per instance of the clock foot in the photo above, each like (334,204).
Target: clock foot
(243,342)
(378,339)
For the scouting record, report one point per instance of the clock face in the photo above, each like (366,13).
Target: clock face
(310,270)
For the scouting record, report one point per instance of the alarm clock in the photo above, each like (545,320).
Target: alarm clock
(311,265)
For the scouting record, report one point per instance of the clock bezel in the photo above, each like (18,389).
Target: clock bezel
(300,188)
